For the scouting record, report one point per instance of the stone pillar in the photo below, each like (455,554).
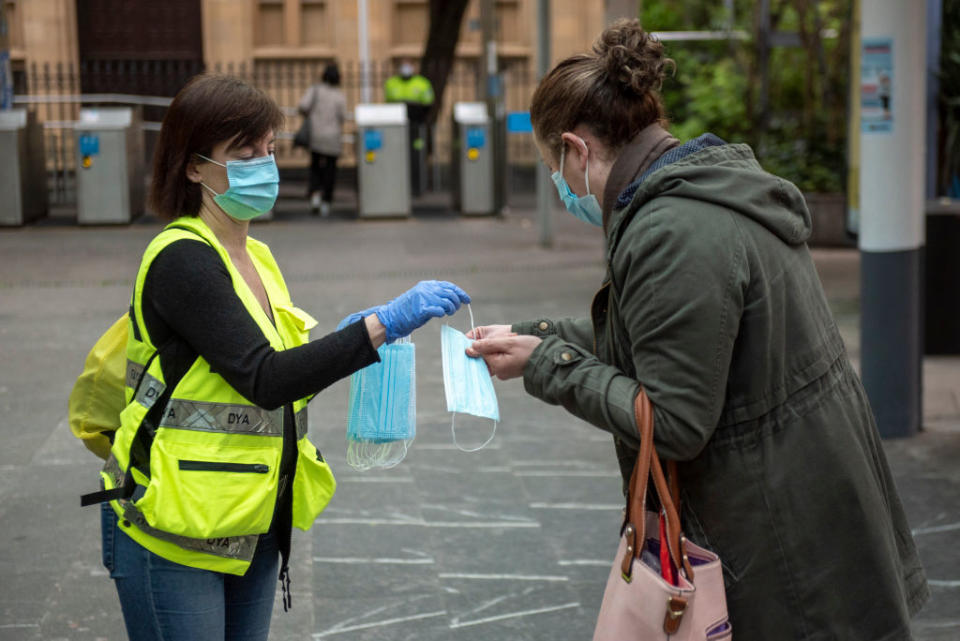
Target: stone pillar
(50,32)
(227,32)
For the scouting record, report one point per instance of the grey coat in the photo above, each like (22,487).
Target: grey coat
(326,107)
(712,304)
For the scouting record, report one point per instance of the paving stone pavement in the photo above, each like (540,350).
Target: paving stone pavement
(512,542)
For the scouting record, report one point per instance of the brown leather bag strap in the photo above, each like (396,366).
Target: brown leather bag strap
(635,521)
(675,537)
(643,414)
(648,463)
(674,480)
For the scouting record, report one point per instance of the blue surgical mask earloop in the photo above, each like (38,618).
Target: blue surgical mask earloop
(586,208)
(586,169)
(453,419)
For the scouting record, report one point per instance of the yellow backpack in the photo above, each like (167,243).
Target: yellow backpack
(98,395)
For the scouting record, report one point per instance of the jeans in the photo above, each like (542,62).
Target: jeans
(323,175)
(166,601)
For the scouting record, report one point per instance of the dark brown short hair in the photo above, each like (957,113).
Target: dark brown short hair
(209,110)
(331,74)
(614,89)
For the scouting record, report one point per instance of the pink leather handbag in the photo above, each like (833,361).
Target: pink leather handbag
(639,603)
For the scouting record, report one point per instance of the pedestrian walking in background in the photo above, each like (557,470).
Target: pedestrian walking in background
(326,107)
(713,313)
(211,466)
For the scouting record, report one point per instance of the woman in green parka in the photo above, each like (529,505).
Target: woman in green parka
(712,308)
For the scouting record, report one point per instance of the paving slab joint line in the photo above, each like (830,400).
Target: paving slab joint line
(499,268)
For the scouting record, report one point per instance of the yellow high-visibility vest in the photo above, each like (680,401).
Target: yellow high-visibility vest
(416,89)
(207,485)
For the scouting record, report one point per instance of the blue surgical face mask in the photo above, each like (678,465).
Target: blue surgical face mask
(253,187)
(586,208)
(466,383)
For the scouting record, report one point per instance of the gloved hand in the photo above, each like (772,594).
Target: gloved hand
(412,309)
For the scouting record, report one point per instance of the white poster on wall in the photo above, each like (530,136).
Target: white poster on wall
(876,86)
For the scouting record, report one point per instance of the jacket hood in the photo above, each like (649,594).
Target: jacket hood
(725,175)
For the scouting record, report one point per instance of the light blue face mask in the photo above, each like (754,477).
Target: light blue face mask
(382,419)
(586,208)
(253,187)
(466,382)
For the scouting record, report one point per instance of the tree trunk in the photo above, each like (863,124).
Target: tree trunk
(446,17)
(809,41)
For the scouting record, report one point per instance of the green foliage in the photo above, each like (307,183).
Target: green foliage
(717,84)
(950,97)
(706,96)
(812,167)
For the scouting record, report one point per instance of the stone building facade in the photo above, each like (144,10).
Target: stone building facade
(150,48)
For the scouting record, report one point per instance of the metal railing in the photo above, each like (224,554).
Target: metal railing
(56,93)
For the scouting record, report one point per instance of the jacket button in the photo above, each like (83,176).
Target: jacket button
(125,523)
(566,356)
(544,326)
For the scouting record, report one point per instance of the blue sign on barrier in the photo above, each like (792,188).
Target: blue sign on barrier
(6,80)
(89,144)
(476,138)
(372,139)
(518,122)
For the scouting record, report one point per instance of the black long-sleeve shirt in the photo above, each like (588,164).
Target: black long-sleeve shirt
(190,308)
(189,300)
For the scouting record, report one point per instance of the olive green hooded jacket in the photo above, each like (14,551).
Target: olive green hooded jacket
(712,304)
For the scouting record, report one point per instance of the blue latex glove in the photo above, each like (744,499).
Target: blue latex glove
(412,309)
(354,317)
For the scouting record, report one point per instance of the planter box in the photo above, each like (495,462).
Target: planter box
(829,213)
(942,278)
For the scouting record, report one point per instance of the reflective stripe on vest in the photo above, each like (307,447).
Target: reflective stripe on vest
(204,416)
(134,372)
(149,391)
(300,418)
(240,548)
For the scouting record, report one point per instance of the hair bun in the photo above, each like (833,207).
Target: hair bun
(631,57)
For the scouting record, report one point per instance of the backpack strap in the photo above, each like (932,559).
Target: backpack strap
(126,489)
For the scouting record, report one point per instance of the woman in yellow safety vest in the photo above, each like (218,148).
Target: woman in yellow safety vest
(211,466)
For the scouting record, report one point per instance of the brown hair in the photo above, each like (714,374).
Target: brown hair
(210,109)
(614,90)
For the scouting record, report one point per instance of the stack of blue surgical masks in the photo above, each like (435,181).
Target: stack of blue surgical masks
(382,419)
